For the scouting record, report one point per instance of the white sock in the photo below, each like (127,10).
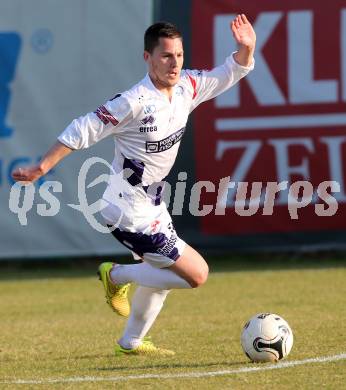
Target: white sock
(146,275)
(146,305)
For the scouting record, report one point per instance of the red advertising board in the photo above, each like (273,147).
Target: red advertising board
(284,123)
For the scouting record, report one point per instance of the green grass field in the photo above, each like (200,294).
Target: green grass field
(55,325)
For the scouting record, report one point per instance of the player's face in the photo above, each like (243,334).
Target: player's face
(165,62)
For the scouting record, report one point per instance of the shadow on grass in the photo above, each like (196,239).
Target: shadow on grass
(136,362)
(167,365)
(87,267)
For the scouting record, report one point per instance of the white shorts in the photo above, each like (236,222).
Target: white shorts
(154,240)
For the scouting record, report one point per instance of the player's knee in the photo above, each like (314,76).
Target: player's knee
(200,277)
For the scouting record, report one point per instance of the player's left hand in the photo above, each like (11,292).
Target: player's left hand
(243,32)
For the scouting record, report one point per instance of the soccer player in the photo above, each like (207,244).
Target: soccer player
(147,123)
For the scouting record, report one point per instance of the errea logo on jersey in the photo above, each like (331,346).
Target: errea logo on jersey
(147,129)
(10,44)
(148,120)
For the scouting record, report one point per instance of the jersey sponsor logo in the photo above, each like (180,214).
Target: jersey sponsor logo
(148,120)
(105,116)
(147,129)
(166,143)
(10,44)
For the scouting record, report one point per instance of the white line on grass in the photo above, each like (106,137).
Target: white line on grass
(276,366)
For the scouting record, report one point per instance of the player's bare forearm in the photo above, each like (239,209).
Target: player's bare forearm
(244,56)
(56,153)
(245,36)
(32,173)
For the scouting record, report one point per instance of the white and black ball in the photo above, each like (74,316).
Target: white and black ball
(266,337)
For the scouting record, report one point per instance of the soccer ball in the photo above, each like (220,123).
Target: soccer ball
(266,337)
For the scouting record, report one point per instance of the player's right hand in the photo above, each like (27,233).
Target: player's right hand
(27,175)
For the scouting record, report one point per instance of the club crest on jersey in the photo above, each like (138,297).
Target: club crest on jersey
(148,120)
(149,109)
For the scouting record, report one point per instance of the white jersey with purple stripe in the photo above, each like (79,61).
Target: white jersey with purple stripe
(147,129)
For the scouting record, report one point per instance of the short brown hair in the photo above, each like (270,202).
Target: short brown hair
(159,30)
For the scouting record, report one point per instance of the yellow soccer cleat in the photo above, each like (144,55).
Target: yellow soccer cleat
(116,294)
(147,348)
